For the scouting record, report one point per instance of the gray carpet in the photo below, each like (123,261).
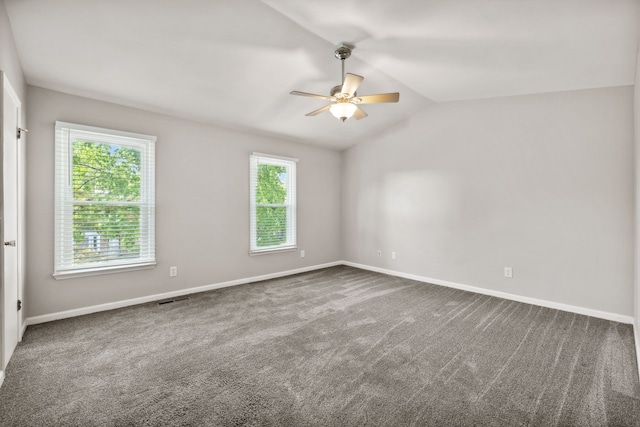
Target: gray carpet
(335,347)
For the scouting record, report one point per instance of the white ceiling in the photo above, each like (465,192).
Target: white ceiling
(233,63)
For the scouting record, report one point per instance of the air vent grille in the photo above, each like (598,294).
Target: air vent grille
(169,301)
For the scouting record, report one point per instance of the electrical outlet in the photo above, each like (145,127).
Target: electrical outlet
(173,271)
(302,253)
(379,253)
(508,272)
(393,255)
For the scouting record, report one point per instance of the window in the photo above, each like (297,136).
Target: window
(273,203)
(104,200)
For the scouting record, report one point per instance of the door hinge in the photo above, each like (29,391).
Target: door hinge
(19,305)
(19,133)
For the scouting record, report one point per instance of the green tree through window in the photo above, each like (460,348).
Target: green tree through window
(271,214)
(105,179)
(273,203)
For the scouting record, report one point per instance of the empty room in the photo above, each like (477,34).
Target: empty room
(336,213)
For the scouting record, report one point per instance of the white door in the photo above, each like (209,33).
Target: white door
(9,223)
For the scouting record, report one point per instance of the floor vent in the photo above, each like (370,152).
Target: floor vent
(169,301)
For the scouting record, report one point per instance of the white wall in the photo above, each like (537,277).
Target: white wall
(202,210)
(636,114)
(542,183)
(9,59)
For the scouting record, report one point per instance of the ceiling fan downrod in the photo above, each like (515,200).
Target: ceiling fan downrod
(342,52)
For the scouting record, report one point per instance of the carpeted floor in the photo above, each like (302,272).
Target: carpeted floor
(334,347)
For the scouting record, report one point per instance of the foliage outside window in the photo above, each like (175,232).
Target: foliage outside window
(105,213)
(273,203)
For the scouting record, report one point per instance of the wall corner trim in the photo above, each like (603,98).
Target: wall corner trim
(636,333)
(23,329)
(512,297)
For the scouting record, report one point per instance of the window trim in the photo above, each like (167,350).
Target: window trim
(86,272)
(290,163)
(63,195)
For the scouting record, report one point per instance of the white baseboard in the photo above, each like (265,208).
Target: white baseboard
(1,378)
(157,297)
(533,301)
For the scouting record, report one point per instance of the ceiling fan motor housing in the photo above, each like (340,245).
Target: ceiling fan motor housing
(337,92)
(343,52)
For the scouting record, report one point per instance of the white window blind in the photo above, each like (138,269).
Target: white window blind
(104,199)
(272,203)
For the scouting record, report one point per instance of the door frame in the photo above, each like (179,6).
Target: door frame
(6,87)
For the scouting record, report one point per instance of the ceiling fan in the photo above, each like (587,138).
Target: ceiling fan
(344,99)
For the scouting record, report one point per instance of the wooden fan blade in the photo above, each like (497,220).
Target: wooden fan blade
(351,83)
(374,99)
(312,95)
(359,114)
(319,110)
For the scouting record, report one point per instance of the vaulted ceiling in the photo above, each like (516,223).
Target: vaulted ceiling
(233,63)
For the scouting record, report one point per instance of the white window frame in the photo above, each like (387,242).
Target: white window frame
(290,202)
(66,133)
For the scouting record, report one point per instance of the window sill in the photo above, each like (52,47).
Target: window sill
(271,251)
(72,274)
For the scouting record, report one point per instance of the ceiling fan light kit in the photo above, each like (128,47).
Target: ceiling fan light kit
(343,97)
(343,110)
